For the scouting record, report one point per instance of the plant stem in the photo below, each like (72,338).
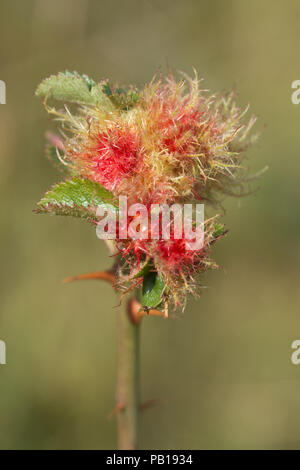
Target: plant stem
(127,380)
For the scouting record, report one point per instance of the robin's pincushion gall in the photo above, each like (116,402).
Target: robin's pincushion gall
(170,142)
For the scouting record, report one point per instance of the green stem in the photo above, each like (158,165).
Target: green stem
(127,380)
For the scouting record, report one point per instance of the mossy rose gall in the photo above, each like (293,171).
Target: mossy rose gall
(169,143)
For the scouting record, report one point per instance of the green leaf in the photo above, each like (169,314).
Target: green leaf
(153,288)
(107,89)
(77,197)
(219,230)
(121,99)
(74,88)
(144,269)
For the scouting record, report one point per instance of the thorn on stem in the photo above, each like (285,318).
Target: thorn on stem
(135,311)
(150,403)
(143,406)
(118,409)
(108,276)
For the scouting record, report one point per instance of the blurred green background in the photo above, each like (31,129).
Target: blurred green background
(223,371)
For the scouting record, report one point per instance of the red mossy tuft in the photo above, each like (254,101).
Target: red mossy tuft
(110,156)
(174,122)
(174,254)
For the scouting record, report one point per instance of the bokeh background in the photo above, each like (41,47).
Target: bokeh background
(223,372)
